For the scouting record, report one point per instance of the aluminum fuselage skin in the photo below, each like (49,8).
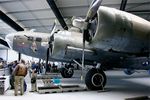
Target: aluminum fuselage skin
(33,44)
(66,45)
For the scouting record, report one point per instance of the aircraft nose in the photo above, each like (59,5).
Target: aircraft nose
(9,38)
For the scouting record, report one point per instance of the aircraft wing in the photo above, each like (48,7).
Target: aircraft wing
(75,53)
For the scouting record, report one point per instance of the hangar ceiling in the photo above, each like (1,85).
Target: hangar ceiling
(5,29)
(36,14)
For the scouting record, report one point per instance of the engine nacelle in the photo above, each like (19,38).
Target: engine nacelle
(121,31)
(62,40)
(129,71)
(68,45)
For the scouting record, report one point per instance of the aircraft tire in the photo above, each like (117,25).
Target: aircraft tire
(67,74)
(95,79)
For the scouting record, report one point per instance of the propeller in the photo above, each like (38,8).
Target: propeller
(89,17)
(51,39)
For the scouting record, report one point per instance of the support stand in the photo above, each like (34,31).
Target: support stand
(81,67)
(103,90)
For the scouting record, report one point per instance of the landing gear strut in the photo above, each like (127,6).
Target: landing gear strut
(95,79)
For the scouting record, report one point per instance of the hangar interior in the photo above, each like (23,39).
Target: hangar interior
(41,18)
(24,15)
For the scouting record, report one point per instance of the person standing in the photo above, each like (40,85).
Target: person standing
(20,72)
(12,67)
(34,68)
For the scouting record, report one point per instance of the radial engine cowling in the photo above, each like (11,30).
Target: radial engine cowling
(62,40)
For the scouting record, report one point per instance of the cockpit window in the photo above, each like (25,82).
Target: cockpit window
(38,39)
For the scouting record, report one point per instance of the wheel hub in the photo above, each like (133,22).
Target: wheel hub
(97,80)
(69,71)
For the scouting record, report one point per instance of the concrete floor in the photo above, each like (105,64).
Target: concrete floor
(119,86)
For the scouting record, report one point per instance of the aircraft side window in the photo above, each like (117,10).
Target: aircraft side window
(38,39)
(30,38)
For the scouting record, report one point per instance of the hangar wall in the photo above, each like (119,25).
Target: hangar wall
(11,55)
(8,55)
(3,54)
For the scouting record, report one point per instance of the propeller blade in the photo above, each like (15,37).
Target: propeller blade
(53,28)
(47,58)
(93,9)
(90,15)
(51,38)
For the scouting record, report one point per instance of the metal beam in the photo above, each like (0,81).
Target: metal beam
(40,26)
(3,42)
(34,19)
(10,22)
(123,5)
(46,9)
(27,11)
(57,13)
(10,1)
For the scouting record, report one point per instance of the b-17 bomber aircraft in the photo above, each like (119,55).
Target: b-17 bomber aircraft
(37,44)
(116,38)
(111,37)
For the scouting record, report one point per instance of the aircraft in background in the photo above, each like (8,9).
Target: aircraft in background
(113,38)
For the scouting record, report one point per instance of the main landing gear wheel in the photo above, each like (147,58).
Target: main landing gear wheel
(95,79)
(67,72)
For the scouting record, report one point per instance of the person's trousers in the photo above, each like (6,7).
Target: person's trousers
(34,85)
(19,81)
